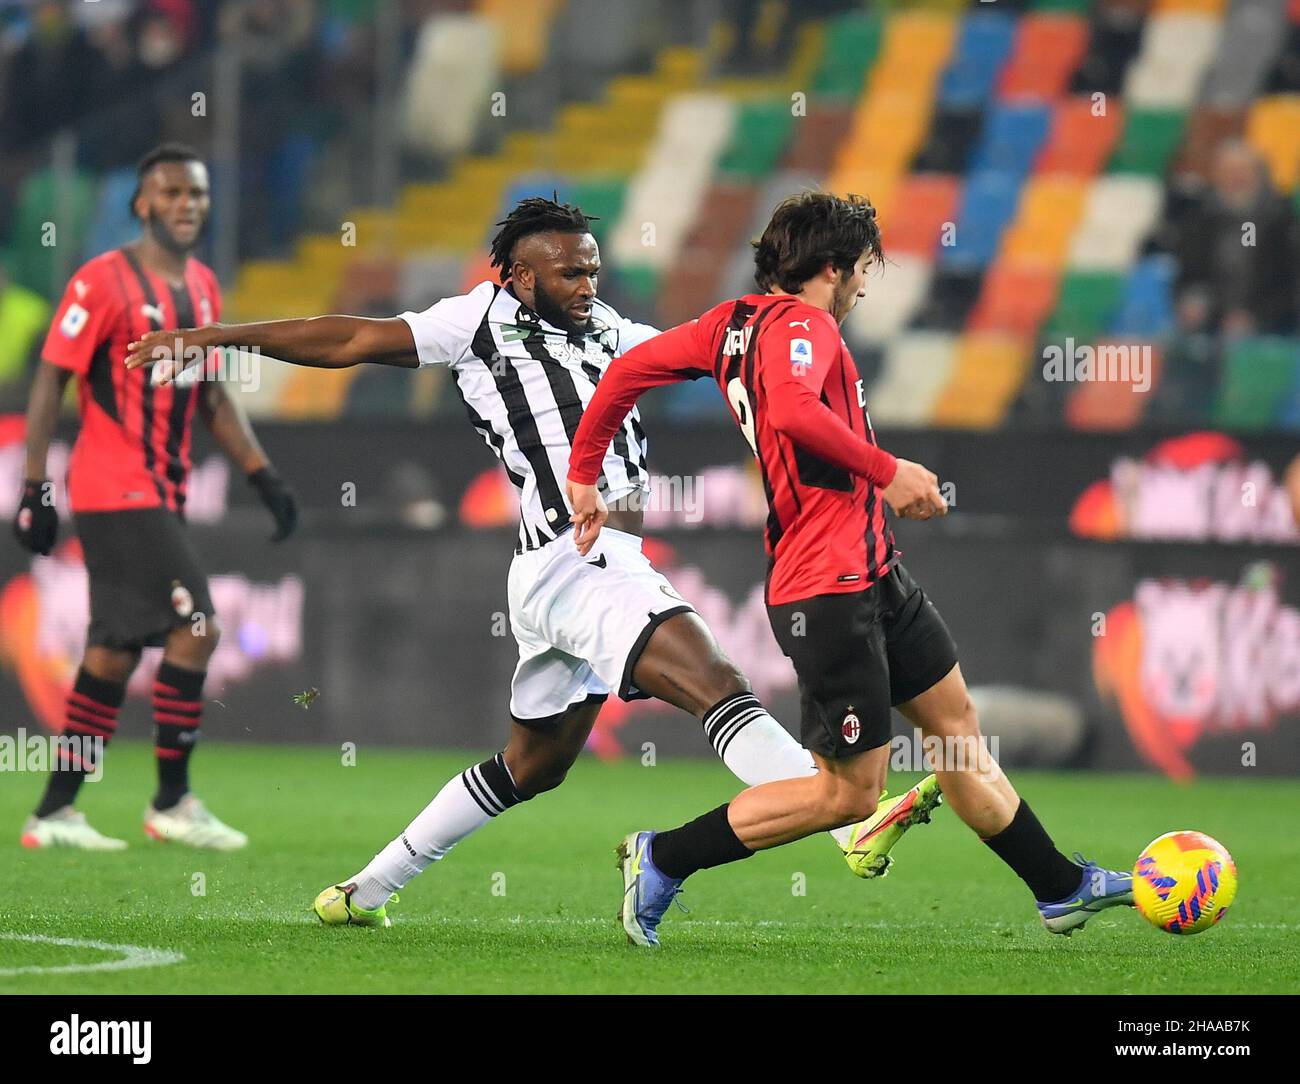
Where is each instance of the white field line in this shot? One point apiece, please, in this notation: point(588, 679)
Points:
point(133, 956)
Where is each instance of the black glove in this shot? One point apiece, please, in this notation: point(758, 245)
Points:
point(278, 498)
point(36, 526)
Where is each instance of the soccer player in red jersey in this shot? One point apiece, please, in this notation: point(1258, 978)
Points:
point(126, 488)
point(861, 633)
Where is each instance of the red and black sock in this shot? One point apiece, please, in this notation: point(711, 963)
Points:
point(177, 706)
point(705, 842)
point(1025, 846)
point(90, 712)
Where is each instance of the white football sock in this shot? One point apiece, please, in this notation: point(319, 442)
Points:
point(465, 803)
point(756, 748)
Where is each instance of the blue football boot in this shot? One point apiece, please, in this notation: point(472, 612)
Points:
point(647, 893)
point(1098, 889)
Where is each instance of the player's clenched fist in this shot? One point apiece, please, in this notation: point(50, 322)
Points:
point(36, 525)
point(914, 492)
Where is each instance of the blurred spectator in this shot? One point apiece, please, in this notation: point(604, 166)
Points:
point(278, 48)
point(50, 79)
point(1237, 249)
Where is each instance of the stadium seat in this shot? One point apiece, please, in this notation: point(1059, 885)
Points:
point(987, 375)
point(1113, 405)
point(522, 29)
point(1273, 129)
point(1258, 375)
point(759, 137)
point(952, 137)
point(886, 131)
point(1047, 50)
point(852, 44)
point(1253, 35)
point(453, 73)
point(691, 286)
point(917, 367)
point(424, 280)
point(39, 258)
point(893, 295)
point(1011, 138)
point(1115, 36)
point(923, 204)
point(1015, 298)
point(1080, 139)
point(1147, 308)
point(953, 293)
point(1177, 48)
point(1208, 127)
point(817, 138)
point(1084, 305)
point(983, 44)
point(1051, 206)
point(1120, 211)
point(988, 203)
point(1149, 141)
point(665, 195)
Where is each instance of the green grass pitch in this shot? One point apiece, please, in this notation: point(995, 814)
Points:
point(528, 904)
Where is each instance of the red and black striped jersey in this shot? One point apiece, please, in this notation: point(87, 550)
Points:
point(796, 395)
point(133, 450)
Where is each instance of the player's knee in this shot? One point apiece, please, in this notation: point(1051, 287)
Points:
point(967, 721)
point(534, 777)
point(847, 803)
point(721, 679)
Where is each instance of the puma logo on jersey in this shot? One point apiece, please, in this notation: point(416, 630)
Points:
point(81, 289)
point(802, 323)
point(154, 313)
point(737, 340)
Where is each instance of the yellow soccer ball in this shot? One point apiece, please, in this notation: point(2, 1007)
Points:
point(1184, 882)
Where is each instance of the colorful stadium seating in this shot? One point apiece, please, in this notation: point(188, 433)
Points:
point(1021, 158)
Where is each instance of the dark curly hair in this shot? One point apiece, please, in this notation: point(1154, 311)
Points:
point(810, 230)
point(164, 152)
point(535, 215)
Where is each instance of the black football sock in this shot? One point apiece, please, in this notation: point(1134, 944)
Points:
point(90, 712)
point(705, 842)
point(1025, 846)
point(177, 707)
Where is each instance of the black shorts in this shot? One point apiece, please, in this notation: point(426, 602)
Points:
point(857, 655)
point(145, 578)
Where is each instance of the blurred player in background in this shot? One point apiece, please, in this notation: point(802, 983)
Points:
point(126, 487)
point(527, 355)
point(861, 633)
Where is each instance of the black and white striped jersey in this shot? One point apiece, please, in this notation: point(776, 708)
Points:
point(525, 384)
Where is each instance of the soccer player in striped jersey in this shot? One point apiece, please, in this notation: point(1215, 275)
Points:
point(861, 633)
point(126, 487)
point(526, 355)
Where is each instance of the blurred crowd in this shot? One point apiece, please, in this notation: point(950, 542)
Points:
point(1237, 245)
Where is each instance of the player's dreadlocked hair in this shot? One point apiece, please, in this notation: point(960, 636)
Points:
point(164, 152)
point(810, 230)
point(535, 215)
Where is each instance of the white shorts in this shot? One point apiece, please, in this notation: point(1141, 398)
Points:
point(582, 622)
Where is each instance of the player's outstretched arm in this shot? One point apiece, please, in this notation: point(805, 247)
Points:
point(322, 342)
